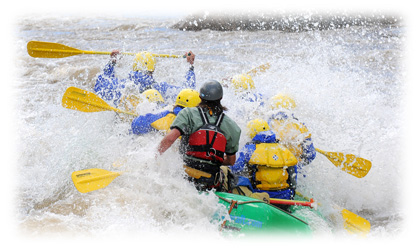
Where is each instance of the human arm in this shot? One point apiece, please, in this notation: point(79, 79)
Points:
point(168, 140)
point(190, 76)
point(243, 158)
point(229, 160)
point(309, 152)
point(109, 67)
point(142, 123)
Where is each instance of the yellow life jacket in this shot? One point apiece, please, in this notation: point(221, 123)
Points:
point(164, 123)
point(272, 160)
point(291, 133)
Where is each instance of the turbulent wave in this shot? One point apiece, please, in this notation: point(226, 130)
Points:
point(281, 22)
point(347, 83)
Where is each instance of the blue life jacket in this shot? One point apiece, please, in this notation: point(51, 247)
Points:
point(109, 87)
point(143, 123)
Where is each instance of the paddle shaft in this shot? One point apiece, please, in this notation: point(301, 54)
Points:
point(310, 203)
point(56, 50)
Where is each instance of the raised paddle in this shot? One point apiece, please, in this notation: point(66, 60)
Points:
point(85, 101)
point(253, 72)
point(348, 163)
point(92, 179)
point(56, 50)
point(260, 69)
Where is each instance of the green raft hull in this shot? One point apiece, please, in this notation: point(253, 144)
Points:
point(252, 216)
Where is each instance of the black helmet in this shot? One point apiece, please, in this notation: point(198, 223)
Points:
point(211, 91)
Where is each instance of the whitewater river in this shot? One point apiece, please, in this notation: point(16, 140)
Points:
point(348, 85)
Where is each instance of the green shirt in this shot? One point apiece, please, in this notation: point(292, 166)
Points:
point(189, 120)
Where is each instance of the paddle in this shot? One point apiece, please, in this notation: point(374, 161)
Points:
point(260, 69)
point(348, 163)
point(310, 203)
point(92, 179)
point(253, 72)
point(85, 101)
point(56, 50)
point(353, 223)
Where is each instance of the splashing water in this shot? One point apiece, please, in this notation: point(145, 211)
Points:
point(347, 84)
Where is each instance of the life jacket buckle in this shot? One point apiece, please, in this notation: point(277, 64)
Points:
point(211, 152)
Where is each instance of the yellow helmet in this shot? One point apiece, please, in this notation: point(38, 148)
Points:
point(281, 100)
point(243, 82)
point(144, 61)
point(152, 95)
point(188, 98)
point(256, 126)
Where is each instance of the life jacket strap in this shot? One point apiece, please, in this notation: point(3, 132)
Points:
point(206, 148)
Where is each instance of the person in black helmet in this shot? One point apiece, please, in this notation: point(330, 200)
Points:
point(210, 139)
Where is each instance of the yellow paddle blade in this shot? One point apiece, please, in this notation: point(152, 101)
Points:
point(85, 101)
point(355, 224)
point(92, 179)
point(55, 50)
point(260, 69)
point(348, 163)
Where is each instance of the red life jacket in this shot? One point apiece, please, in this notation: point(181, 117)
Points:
point(208, 142)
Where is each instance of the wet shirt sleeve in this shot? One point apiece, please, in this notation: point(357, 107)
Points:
point(234, 133)
point(182, 121)
point(243, 158)
point(142, 123)
point(189, 79)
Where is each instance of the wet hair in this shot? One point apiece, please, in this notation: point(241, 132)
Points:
point(213, 106)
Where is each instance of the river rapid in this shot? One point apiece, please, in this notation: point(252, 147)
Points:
point(347, 82)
